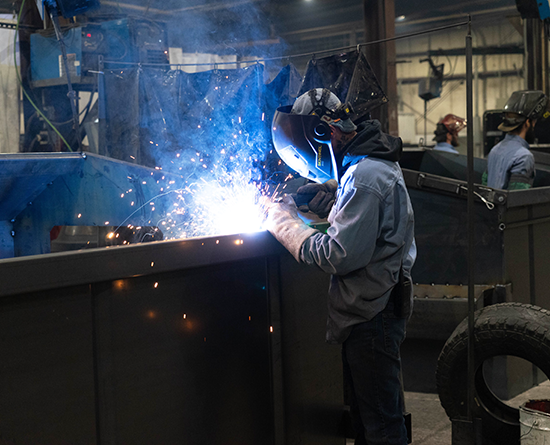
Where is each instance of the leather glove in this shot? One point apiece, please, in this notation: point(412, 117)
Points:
point(287, 227)
point(319, 197)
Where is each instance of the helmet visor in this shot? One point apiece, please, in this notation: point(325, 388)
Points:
point(303, 143)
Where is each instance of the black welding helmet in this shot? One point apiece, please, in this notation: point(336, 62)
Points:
point(523, 105)
point(302, 135)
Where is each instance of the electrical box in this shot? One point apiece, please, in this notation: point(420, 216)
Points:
point(544, 9)
point(70, 8)
point(429, 88)
point(46, 60)
point(125, 40)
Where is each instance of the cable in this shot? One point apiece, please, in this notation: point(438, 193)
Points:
point(72, 94)
point(21, 81)
point(334, 50)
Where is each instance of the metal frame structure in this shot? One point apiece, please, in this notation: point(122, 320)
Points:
point(217, 339)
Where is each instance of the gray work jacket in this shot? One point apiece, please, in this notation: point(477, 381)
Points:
point(371, 234)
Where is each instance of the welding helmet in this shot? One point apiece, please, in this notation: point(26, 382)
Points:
point(302, 135)
point(325, 104)
point(453, 123)
point(521, 106)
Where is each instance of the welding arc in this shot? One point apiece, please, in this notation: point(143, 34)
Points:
point(506, 329)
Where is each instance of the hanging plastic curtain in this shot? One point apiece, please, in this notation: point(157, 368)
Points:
point(173, 119)
point(121, 126)
point(350, 77)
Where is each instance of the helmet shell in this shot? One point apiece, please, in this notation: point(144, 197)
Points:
point(523, 105)
point(453, 123)
point(327, 106)
point(528, 103)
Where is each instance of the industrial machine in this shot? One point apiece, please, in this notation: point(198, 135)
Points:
point(123, 40)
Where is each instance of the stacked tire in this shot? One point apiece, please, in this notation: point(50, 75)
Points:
point(512, 329)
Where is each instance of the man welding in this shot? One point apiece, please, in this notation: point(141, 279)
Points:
point(368, 249)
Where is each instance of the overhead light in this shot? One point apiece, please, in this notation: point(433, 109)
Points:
point(401, 18)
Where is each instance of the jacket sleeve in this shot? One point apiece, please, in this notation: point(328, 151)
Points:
point(523, 171)
point(351, 238)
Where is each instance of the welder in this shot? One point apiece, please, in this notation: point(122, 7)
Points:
point(510, 164)
point(446, 133)
point(368, 249)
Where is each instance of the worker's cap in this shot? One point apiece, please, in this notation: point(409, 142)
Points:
point(325, 104)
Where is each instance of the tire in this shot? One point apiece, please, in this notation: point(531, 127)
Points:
point(514, 329)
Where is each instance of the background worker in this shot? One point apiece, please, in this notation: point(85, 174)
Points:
point(510, 164)
point(368, 249)
point(446, 133)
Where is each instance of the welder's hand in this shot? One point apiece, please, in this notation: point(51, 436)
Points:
point(320, 197)
point(284, 224)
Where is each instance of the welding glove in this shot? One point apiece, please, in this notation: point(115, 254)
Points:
point(319, 197)
point(287, 227)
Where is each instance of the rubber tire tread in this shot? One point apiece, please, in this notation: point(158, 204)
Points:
point(515, 329)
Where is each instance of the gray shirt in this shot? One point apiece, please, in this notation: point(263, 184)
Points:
point(510, 158)
point(371, 234)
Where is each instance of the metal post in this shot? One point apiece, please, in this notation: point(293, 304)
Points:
point(469, 431)
point(425, 123)
point(379, 20)
point(102, 148)
point(471, 240)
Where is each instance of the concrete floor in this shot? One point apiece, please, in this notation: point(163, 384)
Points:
point(430, 424)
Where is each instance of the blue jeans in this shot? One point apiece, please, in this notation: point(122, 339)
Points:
point(372, 377)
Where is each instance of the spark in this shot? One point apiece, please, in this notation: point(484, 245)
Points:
point(228, 205)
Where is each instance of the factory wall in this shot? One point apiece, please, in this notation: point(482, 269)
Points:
point(496, 76)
